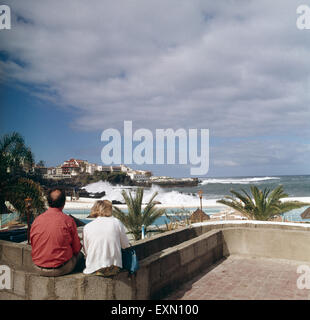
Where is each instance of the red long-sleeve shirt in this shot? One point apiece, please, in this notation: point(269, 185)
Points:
point(54, 238)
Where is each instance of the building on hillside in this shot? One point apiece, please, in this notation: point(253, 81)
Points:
point(106, 169)
point(58, 170)
point(56, 176)
point(40, 170)
point(116, 168)
point(139, 175)
point(99, 168)
point(51, 171)
point(74, 167)
point(55, 173)
point(91, 168)
point(125, 168)
point(82, 164)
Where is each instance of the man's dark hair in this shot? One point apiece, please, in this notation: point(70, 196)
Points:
point(56, 198)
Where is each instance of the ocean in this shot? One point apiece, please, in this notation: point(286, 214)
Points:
point(212, 188)
point(215, 188)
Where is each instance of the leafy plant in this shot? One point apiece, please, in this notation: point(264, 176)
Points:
point(15, 159)
point(177, 219)
point(136, 216)
point(262, 204)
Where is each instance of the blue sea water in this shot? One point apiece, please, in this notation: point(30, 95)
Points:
point(217, 188)
point(214, 188)
point(294, 186)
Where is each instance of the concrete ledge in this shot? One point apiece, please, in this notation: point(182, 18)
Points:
point(175, 265)
point(166, 261)
point(11, 253)
point(268, 243)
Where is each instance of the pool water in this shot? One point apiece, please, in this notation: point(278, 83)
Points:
point(294, 215)
point(173, 213)
point(7, 217)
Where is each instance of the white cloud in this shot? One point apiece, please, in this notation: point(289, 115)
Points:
point(239, 68)
point(261, 153)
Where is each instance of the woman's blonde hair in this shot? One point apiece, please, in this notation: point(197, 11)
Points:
point(101, 208)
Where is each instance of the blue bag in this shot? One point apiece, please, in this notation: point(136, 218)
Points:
point(130, 260)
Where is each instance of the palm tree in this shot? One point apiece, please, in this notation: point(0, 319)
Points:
point(262, 205)
point(15, 158)
point(41, 164)
point(23, 188)
point(136, 217)
point(14, 155)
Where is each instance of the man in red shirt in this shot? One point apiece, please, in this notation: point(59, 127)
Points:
point(54, 238)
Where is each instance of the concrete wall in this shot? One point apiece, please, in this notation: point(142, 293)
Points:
point(268, 243)
point(166, 261)
point(29, 286)
point(164, 271)
point(159, 273)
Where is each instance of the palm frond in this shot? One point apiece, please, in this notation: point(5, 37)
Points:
point(136, 217)
point(26, 188)
point(263, 205)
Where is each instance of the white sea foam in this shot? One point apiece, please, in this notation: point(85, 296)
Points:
point(170, 198)
point(167, 198)
point(238, 180)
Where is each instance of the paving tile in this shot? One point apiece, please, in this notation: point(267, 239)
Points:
point(245, 278)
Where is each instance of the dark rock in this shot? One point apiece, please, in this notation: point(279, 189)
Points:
point(95, 195)
point(117, 202)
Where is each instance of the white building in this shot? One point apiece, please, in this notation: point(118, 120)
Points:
point(58, 170)
point(125, 169)
point(91, 168)
point(139, 175)
point(51, 171)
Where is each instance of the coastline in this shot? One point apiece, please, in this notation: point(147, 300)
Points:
point(86, 203)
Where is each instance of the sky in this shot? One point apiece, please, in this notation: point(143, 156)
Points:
point(240, 68)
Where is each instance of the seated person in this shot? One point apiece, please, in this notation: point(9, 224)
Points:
point(103, 240)
point(54, 239)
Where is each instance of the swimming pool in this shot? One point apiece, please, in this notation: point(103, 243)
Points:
point(294, 215)
point(7, 217)
point(174, 213)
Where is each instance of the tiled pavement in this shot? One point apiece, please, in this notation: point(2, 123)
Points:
point(245, 278)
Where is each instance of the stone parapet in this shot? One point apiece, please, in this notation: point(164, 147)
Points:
point(166, 261)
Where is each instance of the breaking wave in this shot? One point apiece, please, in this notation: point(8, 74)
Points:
point(165, 197)
point(238, 180)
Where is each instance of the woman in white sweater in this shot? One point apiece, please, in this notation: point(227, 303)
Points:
point(103, 240)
